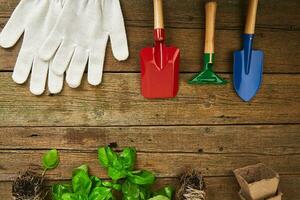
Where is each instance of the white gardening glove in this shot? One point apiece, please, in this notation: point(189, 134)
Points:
point(80, 38)
point(34, 18)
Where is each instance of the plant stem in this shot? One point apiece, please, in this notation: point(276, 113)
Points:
point(44, 172)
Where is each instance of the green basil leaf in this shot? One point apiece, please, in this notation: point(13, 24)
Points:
point(100, 193)
point(50, 159)
point(159, 197)
point(117, 187)
point(166, 191)
point(82, 196)
point(130, 191)
point(112, 197)
point(117, 164)
point(106, 156)
point(74, 196)
point(142, 178)
point(69, 196)
point(102, 157)
point(59, 189)
point(111, 154)
point(145, 193)
point(81, 181)
point(128, 157)
point(96, 182)
point(136, 172)
point(107, 184)
point(84, 168)
point(116, 174)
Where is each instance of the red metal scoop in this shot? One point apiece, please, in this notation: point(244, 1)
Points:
point(159, 64)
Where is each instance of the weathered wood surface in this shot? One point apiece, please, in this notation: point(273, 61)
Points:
point(263, 140)
point(280, 46)
point(205, 127)
point(282, 55)
point(272, 14)
point(218, 187)
point(83, 142)
point(119, 102)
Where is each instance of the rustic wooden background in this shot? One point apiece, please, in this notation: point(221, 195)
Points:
point(206, 127)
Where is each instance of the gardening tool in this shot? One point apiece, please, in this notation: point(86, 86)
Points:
point(159, 64)
point(248, 63)
point(208, 76)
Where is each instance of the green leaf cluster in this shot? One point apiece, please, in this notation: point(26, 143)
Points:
point(83, 187)
point(133, 184)
point(136, 184)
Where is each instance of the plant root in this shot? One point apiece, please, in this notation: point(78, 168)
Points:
point(29, 186)
point(192, 187)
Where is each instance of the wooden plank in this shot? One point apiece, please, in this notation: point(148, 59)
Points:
point(224, 188)
point(272, 14)
point(267, 140)
point(118, 102)
point(281, 55)
point(163, 164)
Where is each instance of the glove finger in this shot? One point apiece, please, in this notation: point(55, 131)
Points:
point(115, 23)
point(38, 76)
point(62, 58)
point(23, 66)
point(119, 45)
point(96, 62)
point(55, 82)
point(76, 68)
point(50, 46)
point(16, 24)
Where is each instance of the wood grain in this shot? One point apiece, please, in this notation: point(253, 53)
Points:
point(210, 26)
point(217, 187)
point(208, 128)
point(158, 14)
point(280, 48)
point(272, 14)
point(251, 16)
point(118, 102)
point(163, 164)
point(264, 140)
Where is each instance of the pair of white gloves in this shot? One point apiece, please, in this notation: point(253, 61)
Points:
point(64, 36)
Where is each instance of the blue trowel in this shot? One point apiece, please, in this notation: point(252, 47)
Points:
point(248, 63)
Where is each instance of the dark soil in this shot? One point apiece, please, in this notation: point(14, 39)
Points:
point(28, 186)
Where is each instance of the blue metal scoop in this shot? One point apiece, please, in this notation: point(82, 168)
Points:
point(248, 63)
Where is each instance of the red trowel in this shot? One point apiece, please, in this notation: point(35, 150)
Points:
point(159, 64)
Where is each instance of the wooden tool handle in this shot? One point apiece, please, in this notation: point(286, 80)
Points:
point(251, 17)
point(210, 21)
point(158, 14)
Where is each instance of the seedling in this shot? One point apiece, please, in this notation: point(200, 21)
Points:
point(50, 160)
point(30, 184)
